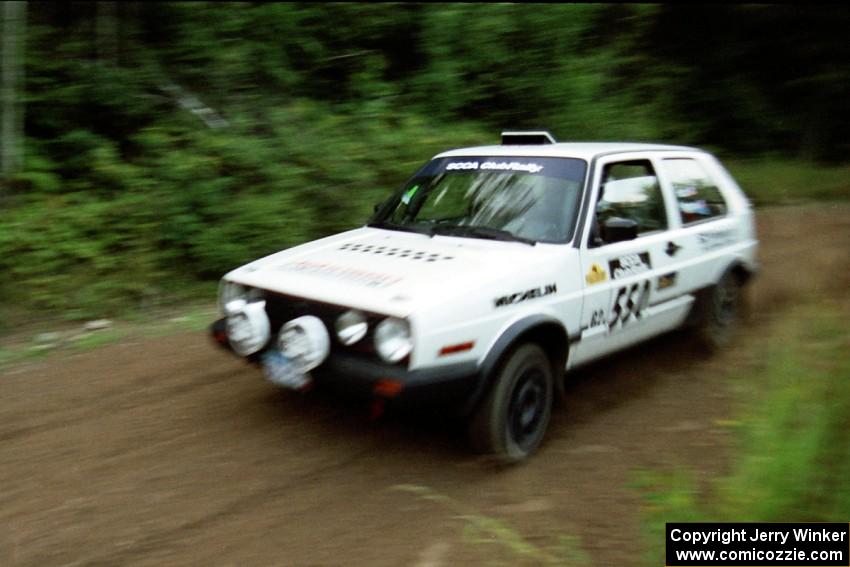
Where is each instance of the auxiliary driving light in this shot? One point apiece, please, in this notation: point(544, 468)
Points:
point(248, 327)
point(305, 342)
point(351, 327)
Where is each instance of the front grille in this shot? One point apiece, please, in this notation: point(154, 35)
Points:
point(282, 308)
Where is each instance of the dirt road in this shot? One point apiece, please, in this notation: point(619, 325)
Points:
point(169, 452)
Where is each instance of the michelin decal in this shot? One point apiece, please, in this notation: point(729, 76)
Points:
point(521, 296)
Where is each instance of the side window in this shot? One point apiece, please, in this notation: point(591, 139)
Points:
point(630, 190)
point(698, 196)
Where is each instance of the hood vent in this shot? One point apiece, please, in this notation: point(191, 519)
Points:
point(393, 252)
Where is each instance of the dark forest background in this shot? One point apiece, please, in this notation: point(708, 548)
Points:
point(151, 147)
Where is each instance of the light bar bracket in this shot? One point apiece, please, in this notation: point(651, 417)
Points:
point(534, 138)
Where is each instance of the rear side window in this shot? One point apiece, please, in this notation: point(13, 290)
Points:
point(697, 194)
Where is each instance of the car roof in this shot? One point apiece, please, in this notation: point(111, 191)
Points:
point(581, 150)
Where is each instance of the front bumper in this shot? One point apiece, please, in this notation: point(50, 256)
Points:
point(355, 376)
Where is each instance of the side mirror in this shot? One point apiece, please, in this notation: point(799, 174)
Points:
point(617, 229)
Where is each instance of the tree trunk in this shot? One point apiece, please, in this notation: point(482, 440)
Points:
point(11, 83)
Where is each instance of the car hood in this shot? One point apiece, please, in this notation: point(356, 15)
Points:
point(391, 272)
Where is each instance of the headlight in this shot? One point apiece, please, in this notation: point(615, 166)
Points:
point(392, 339)
point(351, 326)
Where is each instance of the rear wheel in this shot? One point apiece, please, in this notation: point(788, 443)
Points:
point(512, 420)
point(721, 312)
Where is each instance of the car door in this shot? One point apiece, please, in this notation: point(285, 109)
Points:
point(704, 226)
point(632, 289)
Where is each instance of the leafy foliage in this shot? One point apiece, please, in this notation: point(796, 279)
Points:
point(126, 195)
point(193, 204)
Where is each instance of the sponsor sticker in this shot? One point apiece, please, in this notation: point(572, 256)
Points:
point(596, 275)
point(354, 275)
point(667, 280)
point(629, 265)
point(716, 239)
point(527, 167)
point(462, 166)
point(512, 166)
point(408, 195)
point(521, 296)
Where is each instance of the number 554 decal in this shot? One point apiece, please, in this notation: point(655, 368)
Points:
point(628, 304)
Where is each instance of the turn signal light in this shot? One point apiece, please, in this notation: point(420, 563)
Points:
point(453, 349)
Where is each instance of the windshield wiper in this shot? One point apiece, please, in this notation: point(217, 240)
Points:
point(479, 232)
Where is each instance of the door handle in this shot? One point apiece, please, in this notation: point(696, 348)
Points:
point(672, 248)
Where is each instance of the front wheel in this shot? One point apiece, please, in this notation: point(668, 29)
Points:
point(512, 420)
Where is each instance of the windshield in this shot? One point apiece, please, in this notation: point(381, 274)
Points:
point(529, 199)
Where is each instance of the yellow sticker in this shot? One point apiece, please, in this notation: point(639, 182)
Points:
point(596, 274)
point(667, 280)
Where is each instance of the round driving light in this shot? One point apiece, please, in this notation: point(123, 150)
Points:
point(305, 342)
point(248, 327)
point(392, 339)
point(351, 327)
point(230, 291)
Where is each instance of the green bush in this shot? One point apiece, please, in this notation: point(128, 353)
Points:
point(117, 232)
point(125, 194)
point(793, 457)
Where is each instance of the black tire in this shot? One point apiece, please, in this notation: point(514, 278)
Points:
point(721, 311)
point(511, 421)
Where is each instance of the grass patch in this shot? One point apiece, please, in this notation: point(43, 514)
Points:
point(774, 182)
point(98, 339)
point(158, 323)
point(508, 544)
point(196, 319)
point(9, 357)
point(793, 454)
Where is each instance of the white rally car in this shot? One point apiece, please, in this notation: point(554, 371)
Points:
point(494, 270)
